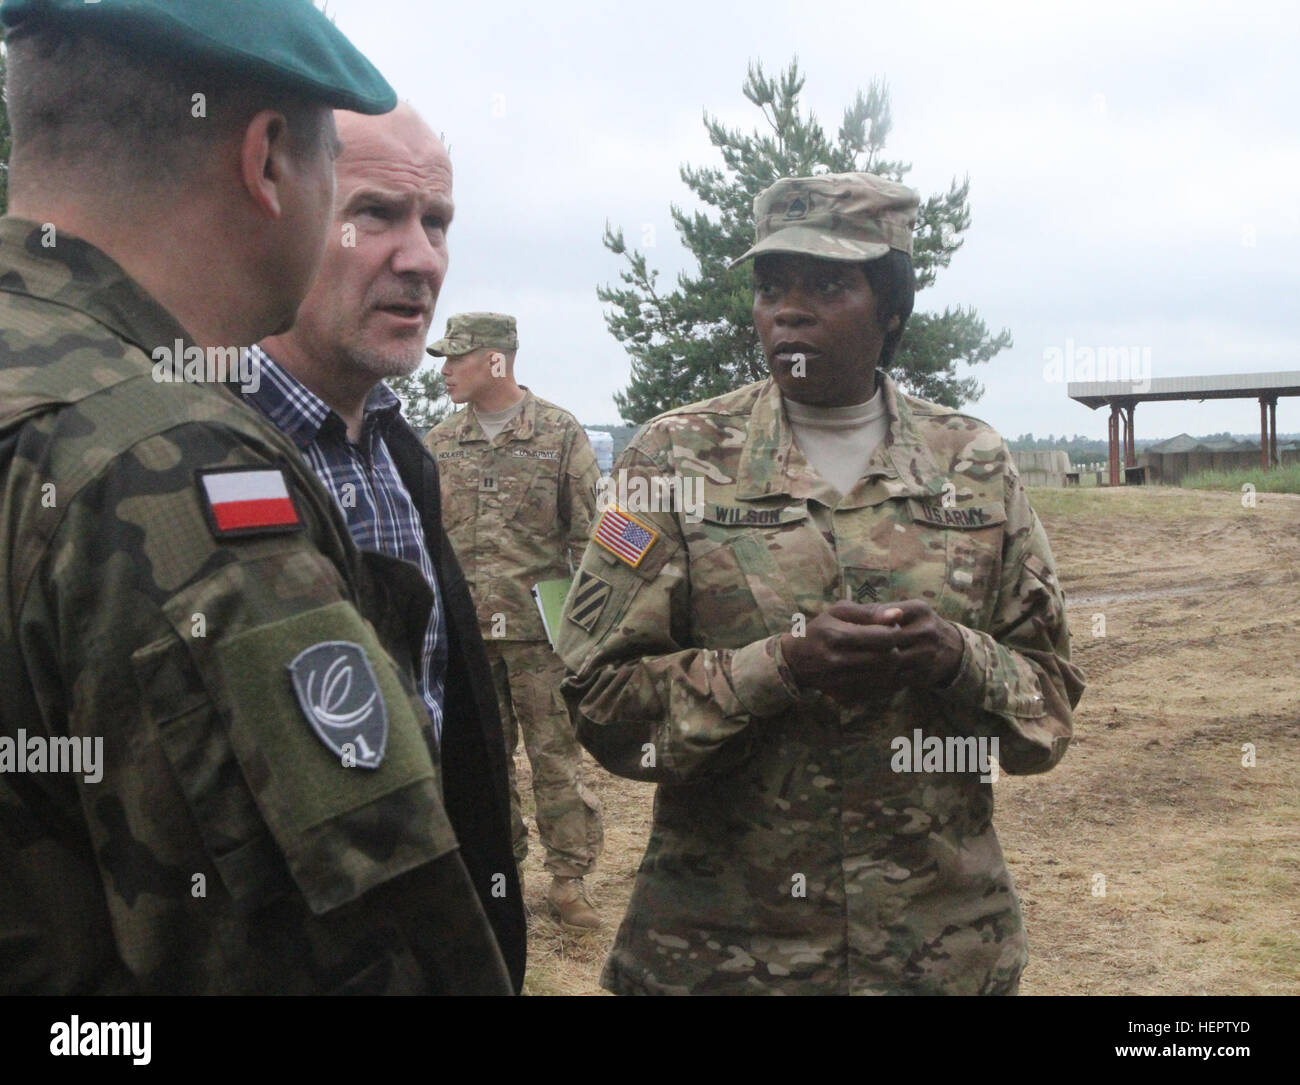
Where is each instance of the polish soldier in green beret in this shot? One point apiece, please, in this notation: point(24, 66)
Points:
point(217, 775)
point(823, 667)
point(519, 483)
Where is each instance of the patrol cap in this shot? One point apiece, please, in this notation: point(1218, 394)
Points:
point(284, 43)
point(834, 216)
point(473, 331)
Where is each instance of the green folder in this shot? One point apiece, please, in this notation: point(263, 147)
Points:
point(549, 595)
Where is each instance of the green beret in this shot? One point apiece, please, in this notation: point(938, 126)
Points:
point(474, 331)
point(285, 43)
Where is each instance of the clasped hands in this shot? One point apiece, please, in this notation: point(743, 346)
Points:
point(853, 649)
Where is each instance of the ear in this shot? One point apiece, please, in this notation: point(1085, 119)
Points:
point(262, 157)
point(894, 323)
point(496, 357)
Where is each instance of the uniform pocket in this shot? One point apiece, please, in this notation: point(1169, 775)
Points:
point(974, 566)
point(970, 540)
point(458, 483)
point(738, 593)
point(343, 829)
point(527, 490)
point(195, 743)
point(268, 794)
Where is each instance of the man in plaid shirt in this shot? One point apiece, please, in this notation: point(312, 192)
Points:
point(366, 318)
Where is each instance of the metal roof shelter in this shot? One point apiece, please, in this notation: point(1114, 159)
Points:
point(1123, 396)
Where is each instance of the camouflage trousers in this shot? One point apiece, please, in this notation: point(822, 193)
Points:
point(527, 676)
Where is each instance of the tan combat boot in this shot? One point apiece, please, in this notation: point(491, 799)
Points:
point(568, 898)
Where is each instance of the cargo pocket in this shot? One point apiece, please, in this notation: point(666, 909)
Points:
point(195, 743)
point(343, 829)
point(275, 806)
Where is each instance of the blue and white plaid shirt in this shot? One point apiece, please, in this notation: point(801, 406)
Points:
point(379, 509)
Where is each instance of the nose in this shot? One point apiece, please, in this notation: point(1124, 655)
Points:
point(792, 308)
point(417, 253)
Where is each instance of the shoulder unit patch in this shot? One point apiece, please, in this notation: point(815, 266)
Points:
point(339, 694)
point(590, 594)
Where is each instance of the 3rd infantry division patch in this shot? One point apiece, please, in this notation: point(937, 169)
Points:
point(590, 594)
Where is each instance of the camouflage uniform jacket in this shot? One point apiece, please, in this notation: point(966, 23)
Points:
point(785, 854)
point(517, 509)
point(225, 848)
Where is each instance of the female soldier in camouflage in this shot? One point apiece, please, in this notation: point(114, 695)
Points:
point(818, 668)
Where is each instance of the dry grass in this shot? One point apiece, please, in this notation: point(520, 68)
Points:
point(559, 961)
point(1200, 855)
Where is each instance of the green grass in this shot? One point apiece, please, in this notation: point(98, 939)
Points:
point(1281, 480)
point(1144, 502)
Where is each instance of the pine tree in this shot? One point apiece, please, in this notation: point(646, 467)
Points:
point(699, 341)
point(424, 398)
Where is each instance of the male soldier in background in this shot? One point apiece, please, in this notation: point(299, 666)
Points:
point(367, 317)
point(518, 490)
point(181, 598)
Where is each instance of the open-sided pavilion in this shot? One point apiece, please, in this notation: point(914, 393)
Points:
point(1123, 396)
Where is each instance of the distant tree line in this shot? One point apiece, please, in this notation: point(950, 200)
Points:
point(1087, 448)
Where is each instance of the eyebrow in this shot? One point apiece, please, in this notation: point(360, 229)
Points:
point(811, 272)
point(439, 205)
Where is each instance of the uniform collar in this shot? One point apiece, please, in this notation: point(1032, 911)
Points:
point(520, 428)
point(55, 266)
point(303, 415)
point(772, 464)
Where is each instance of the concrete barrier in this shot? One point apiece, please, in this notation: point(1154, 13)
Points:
point(1046, 468)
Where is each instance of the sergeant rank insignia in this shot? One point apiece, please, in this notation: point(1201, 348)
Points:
point(624, 536)
point(590, 594)
point(338, 693)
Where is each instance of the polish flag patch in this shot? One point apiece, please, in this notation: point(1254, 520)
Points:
point(248, 501)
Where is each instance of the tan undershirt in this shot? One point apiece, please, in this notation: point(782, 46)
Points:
point(493, 422)
point(839, 441)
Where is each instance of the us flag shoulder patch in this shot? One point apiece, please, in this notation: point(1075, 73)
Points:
point(590, 594)
point(624, 536)
point(240, 501)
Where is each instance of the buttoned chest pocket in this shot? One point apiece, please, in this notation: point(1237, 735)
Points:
point(962, 559)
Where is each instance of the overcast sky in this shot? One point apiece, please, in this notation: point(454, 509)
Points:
point(1135, 170)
